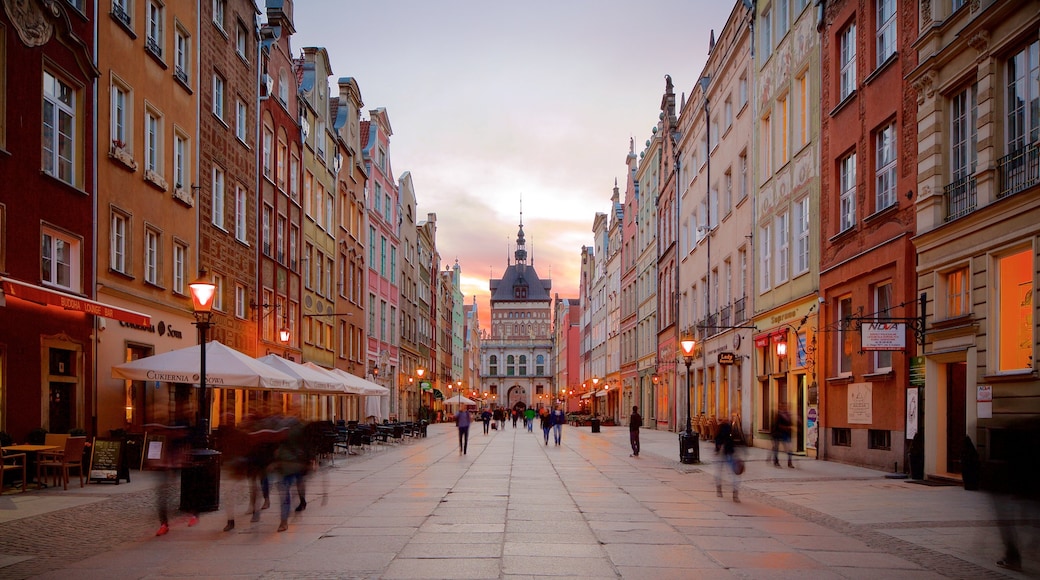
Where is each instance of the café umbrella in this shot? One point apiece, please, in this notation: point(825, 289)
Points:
point(459, 400)
point(225, 367)
point(311, 380)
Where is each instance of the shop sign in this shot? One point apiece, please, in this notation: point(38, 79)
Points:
point(883, 335)
point(727, 358)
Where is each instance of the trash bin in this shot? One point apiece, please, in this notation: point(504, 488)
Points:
point(200, 481)
point(689, 447)
point(595, 425)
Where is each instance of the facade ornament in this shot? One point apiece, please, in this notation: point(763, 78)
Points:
point(980, 42)
point(925, 86)
point(926, 14)
point(34, 25)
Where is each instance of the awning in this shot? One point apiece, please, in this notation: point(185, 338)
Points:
point(587, 395)
point(437, 394)
point(48, 297)
point(602, 393)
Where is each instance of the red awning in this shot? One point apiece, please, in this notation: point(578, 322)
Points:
point(46, 296)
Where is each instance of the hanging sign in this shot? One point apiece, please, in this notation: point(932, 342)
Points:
point(883, 336)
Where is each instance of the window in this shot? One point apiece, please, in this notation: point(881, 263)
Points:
point(330, 266)
point(955, 284)
point(847, 173)
point(783, 247)
point(1015, 332)
point(885, 193)
point(784, 113)
point(268, 151)
point(523, 365)
point(242, 40)
point(493, 365)
point(294, 177)
point(283, 87)
point(801, 95)
point(118, 243)
point(782, 18)
point(154, 41)
point(382, 256)
point(882, 309)
point(841, 437)
point(767, 146)
point(218, 197)
point(371, 246)
point(180, 253)
point(308, 189)
point(280, 240)
point(1023, 98)
point(59, 128)
point(120, 129)
point(510, 365)
point(319, 203)
point(393, 265)
point(963, 133)
point(121, 11)
point(886, 30)
point(151, 256)
point(879, 439)
point(727, 191)
point(180, 159)
point(181, 55)
point(218, 292)
point(387, 208)
point(727, 114)
point(294, 234)
point(152, 141)
point(847, 43)
point(539, 362)
point(308, 260)
point(742, 91)
point(382, 320)
point(219, 9)
point(801, 232)
point(766, 25)
point(742, 263)
point(241, 228)
point(283, 151)
point(319, 138)
point(218, 96)
point(766, 264)
point(60, 260)
point(846, 335)
point(241, 120)
point(240, 301)
point(265, 229)
point(743, 175)
point(377, 198)
point(330, 214)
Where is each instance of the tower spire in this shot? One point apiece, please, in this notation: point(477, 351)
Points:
point(521, 251)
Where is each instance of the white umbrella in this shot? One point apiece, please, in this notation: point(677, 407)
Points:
point(365, 387)
point(459, 400)
point(225, 367)
point(336, 374)
point(311, 380)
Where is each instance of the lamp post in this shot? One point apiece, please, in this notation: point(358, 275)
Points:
point(203, 290)
point(689, 449)
point(419, 372)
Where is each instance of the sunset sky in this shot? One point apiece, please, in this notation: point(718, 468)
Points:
point(493, 101)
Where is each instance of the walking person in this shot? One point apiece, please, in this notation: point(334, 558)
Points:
point(529, 419)
point(635, 421)
point(729, 462)
point(516, 416)
point(462, 421)
point(486, 418)
point(782, 425)
point(559, 418)
point(547, 422)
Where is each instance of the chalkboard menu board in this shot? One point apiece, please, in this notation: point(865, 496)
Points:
point(107, 461)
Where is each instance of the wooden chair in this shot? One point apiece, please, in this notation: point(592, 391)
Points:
point(60, 465)
point(12, 462)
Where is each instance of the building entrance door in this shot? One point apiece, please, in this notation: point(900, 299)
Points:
point(956, 407)
point(60, 412)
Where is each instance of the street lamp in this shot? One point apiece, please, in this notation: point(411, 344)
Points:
point(419, 372)
point(689, 447)
point(203, 291)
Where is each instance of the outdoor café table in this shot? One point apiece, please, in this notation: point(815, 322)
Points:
point(30, 455)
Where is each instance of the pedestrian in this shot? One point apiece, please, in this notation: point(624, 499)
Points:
point(1012, 481)
point(782, 425)
point(500, 421)
point(729, 462)
point(462, 421)
point(529, 419)
point(516, 415)
point(547, 422)
point(486, 418)
point(173, 456)
point(291, 463)
point(635, 421)
point(559, 419)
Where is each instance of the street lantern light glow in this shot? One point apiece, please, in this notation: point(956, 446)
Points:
point(283, 335)
point(203, 290)
point(419, 372)
point(688, 345)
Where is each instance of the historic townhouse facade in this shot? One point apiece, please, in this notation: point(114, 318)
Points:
point(280, 183)
point(629, 292)
point(595, 311)
point(613, 401)
point(786, 234)
point(426, 236)
point(47, 252)
point(146, 204)
point(978, 220)
point(715, 232)
point(643, 295)
point(516, 358)
point(409, 284)
point(383, 239)
point(566, 354)
point(868, 173)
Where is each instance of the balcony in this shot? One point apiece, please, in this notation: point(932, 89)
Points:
point(740, 311)
point(960, 197)
point(727, 316)
point(181, 75)
point(1018, 171)
point(120, 14)
point(152, 45)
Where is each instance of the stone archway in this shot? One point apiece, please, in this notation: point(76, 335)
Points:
point(516, 398)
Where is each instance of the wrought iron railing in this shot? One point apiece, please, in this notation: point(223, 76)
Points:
point(740, 310)
point(1018, 170)
point(960, 197)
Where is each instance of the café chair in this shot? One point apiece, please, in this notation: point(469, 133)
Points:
point(12, 462)
point(59, 465)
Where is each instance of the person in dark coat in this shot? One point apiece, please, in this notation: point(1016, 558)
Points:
point(782, 425)
point(462, 421)
point(486, 418)
point(725, 446)
point(547, 422)
point(635, 421)
point(559, 419)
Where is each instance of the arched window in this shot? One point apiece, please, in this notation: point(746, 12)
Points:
point(539, 368)
point(523, 365)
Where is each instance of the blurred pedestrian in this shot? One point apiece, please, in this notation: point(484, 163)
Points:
point(547, 422)
point(559, 420)
point(782, 425)
point(172, 456)
point(500, 418)
point(290, 466)
point(1014, 470)
point(729, 462)
point(635, 421)
point(486, 418)
point(462, 421)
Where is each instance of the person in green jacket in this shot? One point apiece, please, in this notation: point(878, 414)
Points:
point(529, 415)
